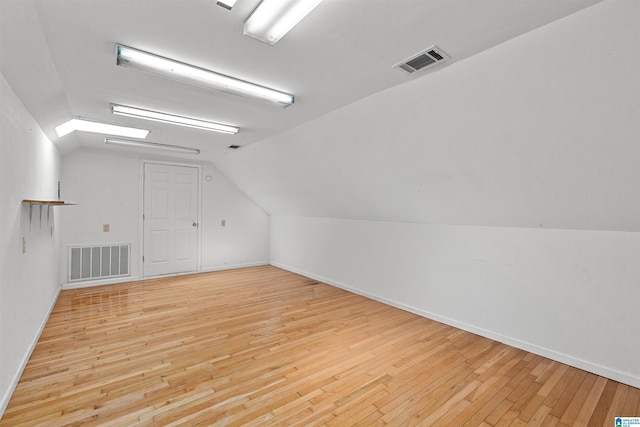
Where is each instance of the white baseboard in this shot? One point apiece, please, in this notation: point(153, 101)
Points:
point(23, 363)
point(585, 365)
point(90, 283)
point(234, 266)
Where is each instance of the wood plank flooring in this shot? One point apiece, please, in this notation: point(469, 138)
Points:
point(263, 346)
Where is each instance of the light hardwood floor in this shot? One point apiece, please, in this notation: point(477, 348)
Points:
point(263, 346)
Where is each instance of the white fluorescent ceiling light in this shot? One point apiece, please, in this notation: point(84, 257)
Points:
point(272, 19)
point(96, 127)
point(165, 67)
point(156, 116)
point(152, 145)
point(227, 4)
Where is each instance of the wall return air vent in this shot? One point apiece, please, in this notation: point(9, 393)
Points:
point(99, 261)
point(427, 58)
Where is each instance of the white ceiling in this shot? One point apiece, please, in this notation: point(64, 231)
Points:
point(59, 57)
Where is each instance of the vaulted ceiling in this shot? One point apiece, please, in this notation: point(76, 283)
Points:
point(59, 57)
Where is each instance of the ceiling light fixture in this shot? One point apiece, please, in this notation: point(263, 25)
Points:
point(156, 116)
point(96, 127)
point(272, 19)
point(165, 67)
point(151, 145)
point(227, 4)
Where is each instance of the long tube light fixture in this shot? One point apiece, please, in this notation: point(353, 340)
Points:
point(227, 4)
point(152, 145)
point(165, 67)
point(272, 19)
point(157, 116)
point(97, 127)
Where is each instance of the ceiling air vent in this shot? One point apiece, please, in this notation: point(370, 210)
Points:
point(427, 58)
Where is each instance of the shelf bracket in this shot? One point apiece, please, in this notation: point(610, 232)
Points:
point(41, 203)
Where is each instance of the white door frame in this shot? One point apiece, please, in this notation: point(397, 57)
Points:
point(141, 213)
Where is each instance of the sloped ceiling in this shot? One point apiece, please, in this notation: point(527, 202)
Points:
point(541, 131)
point(59, 57)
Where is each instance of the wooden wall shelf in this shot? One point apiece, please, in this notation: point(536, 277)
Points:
point(47, 202)
point(41, 203)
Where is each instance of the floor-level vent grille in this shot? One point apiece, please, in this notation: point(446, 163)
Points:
point(99, 261)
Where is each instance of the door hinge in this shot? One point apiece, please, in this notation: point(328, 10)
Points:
point(142, 258)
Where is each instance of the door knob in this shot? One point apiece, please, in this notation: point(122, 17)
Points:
point(195, 224)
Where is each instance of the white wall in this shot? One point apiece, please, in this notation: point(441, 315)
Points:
point(105, 188)
point(29, 169)
point(106, 185)
point(566, 294)
point(244, 240)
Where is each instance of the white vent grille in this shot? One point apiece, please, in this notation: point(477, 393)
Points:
point(428, 58)
point(99, 261)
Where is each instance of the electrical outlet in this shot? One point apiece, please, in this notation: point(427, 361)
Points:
point(105, 228)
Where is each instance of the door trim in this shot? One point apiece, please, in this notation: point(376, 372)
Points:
point(197, 166)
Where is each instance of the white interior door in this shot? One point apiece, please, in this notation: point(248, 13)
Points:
point(170, 236)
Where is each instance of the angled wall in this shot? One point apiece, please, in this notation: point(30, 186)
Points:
point(498, 194)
